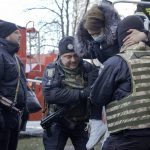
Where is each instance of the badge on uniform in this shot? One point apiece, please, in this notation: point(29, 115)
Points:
point(70, 46)
point(50, 72)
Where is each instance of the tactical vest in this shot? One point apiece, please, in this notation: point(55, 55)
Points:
point(133, 112)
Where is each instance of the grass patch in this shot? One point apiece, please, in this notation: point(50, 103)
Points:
point(30, 144)
point(35, 143)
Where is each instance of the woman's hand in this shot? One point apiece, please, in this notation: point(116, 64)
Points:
point(134, 37)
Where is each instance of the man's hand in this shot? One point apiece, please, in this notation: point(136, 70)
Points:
point(134, 37)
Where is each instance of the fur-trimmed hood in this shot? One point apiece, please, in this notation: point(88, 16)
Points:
point(83, 39)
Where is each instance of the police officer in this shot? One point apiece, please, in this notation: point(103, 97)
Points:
point(12, 85)
point(123, 87)
point(66, 83)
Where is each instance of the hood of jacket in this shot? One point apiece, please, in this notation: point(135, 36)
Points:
point(83, 39)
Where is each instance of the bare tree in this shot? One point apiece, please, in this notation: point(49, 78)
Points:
point(64, 16)
point(79, 10)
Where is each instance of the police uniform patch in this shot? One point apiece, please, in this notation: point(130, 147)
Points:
point(50, 72)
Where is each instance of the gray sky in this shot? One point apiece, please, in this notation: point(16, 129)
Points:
point(13, 11)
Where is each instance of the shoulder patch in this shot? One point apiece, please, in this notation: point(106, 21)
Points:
point(50, 72)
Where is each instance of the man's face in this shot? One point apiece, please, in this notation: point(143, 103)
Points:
point(14, 37)
point(70, 60)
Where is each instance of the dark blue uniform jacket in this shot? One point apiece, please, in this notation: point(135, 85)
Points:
point(54, 92)
point(9, 79)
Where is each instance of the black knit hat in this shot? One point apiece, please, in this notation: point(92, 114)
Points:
point(66, 45)
point(6, 28)
point(130, 22)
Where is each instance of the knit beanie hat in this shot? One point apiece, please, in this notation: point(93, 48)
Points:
point(130, 22)
point(145, 8)
point(94, 19)
point(6, 28)
point(66, 45)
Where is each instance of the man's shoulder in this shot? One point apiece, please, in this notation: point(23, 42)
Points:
point(114, 61)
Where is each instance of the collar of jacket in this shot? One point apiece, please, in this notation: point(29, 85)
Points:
point(61, 67)
point(10, 47)
point(74, 71)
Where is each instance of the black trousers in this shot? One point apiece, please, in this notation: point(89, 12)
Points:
point(9, 139)
point(122, 142)
point(60, 135)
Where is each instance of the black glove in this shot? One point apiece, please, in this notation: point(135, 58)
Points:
point(2, 121)
point(92, 76)
point(85, 93)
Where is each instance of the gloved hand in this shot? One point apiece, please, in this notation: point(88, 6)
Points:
point(85, 93)
point(2, 121)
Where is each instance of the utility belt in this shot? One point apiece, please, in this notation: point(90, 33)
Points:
point(78, 118)
point(75, 120)
point(70, 123)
